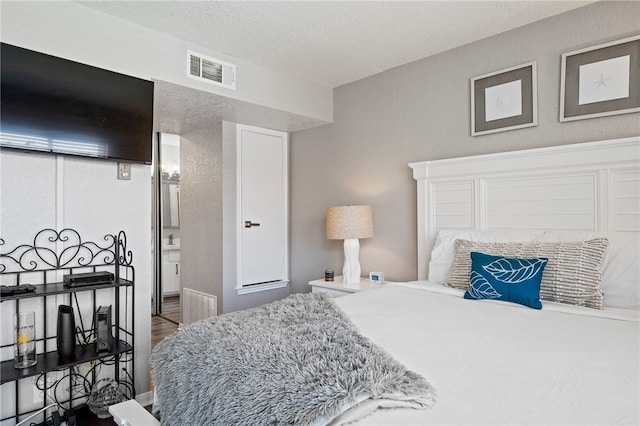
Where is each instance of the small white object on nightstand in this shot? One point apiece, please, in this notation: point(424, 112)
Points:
point(376, 277)
point(339, 288)
point(130, 413)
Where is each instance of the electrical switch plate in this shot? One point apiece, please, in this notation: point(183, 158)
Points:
point(124, 171)
point(38, 395)
point(52, 377)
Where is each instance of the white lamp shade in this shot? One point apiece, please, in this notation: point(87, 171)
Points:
point(347, 222)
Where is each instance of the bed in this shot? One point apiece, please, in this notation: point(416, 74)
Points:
point(572, 211)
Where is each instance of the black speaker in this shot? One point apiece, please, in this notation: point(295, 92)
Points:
point(103, 329)
point(66, 332)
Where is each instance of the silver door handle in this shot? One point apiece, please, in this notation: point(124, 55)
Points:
point(249, 224)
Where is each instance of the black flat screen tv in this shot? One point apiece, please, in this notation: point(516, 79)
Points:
point(59, 106)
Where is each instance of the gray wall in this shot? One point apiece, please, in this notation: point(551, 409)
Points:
point(201, 208)
point(421, 111)
point(208, 182)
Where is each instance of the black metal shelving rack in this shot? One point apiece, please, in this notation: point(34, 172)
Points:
point(51, 254)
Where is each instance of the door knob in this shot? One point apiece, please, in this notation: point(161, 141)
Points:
point(249, 224)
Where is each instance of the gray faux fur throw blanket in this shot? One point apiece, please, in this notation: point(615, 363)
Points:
point(297, 361)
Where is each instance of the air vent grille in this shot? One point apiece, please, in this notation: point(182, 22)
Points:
point(214, 71)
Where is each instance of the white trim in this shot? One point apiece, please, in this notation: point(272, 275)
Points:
point(535, 158)
point(255, 288)
point(59, 193)
point(60, 223)
point(239, 220)
point(596, 164)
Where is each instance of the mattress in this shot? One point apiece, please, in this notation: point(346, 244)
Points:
point(501, 363)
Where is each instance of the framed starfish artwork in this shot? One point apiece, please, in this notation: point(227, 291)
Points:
point(504, 100)
point(601, 80)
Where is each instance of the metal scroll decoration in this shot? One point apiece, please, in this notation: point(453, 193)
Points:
point(53, 249)
point(125, 257)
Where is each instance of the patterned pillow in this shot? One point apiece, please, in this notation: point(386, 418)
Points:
point(507, 279)
point(571, 276)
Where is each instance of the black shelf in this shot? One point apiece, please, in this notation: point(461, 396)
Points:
point(49, 255)
point(60, 288)
point(50, 361)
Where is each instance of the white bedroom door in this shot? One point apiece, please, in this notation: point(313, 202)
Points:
point(263, 207)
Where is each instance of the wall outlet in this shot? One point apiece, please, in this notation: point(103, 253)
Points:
point(38, 395)
point(52, 378)
point(124, 171)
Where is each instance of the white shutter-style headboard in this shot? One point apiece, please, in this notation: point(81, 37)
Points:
point(592, 186)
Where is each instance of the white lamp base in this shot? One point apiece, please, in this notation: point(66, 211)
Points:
point(351, 270)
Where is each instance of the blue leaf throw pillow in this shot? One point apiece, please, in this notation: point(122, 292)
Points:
point(508, 279)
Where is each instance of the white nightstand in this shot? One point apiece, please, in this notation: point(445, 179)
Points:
point(130, 413)
point(338, 288)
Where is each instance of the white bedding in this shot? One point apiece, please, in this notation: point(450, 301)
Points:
point(501, 363)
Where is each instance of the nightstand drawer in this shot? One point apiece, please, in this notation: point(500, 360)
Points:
point(338, 288)
point(332, 291)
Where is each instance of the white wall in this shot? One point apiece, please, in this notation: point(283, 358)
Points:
point(421, 111)
point(40, 191)
point(73, 31)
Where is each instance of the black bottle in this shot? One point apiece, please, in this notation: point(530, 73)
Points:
point(66, 337)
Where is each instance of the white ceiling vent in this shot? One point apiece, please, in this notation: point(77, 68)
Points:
point(214, 71)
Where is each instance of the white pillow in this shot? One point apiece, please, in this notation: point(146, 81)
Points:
point(620, 271)
point(443, 251)
point(621, 267)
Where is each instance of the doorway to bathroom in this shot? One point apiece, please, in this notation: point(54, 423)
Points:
point(167, 291)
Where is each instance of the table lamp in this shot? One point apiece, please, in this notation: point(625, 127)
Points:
point(349, 223)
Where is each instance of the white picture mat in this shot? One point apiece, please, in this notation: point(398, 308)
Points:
point(604, 80)
point(476, 131)
point(503, 100)
point(565, 113)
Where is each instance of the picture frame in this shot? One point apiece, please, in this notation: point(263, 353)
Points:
point(601, 80)
point(504, 100)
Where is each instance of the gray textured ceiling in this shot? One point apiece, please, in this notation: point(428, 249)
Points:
point(327, 42)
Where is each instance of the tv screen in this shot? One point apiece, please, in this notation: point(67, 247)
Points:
point(64, 107)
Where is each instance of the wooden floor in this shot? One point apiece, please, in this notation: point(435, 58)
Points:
point(171, 308)
point(163, 327)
